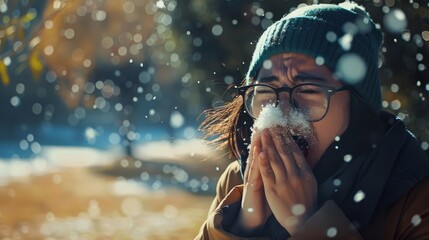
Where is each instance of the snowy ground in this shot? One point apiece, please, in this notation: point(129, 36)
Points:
point(163, 192)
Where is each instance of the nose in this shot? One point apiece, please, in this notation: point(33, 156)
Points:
point(284, 102)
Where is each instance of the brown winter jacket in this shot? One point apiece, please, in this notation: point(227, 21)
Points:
point(408, 218)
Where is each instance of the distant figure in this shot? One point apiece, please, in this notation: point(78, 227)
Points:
point(317, 157)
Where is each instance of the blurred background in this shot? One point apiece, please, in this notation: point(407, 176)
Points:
point(100, 103)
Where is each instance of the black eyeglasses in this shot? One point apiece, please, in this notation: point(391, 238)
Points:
point(310, 99)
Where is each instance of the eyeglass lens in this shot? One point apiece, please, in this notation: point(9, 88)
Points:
point(311, 100)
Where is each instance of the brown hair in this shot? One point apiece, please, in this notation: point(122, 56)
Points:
point(228, 127)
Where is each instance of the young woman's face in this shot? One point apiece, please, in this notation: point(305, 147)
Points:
point(291, 69)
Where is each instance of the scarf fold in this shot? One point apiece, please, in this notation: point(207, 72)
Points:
point(358, 183)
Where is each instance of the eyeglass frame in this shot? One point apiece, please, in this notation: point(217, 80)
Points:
point(329, 91)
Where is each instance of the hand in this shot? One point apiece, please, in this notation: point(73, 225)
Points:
point(288, 181)
point(254, 210)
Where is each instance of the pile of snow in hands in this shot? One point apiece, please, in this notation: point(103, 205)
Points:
point(294, 122)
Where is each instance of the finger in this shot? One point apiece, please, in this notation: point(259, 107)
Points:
point(255, 179)
point(301, 161)
point(255, 143)
point(287, 149)
point(284, 134)
point(248, 163)
point(272, 156)
point(298, 161)
point(266, 171)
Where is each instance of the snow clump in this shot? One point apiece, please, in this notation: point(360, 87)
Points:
point(294, 122)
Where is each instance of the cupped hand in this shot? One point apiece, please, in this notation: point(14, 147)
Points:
point(254, 210)
point(289, 184)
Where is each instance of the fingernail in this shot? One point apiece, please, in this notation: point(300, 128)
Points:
point(266, 132)
point(256, 149)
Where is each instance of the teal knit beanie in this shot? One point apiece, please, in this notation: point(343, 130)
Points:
point(343, 37)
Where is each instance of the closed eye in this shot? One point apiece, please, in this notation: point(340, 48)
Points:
point(309, 91)
point(263, 91)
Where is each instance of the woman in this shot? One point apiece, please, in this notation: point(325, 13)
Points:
point(358, 173)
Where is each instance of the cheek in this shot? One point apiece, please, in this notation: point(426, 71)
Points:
point(338, 115)
point(334, 123)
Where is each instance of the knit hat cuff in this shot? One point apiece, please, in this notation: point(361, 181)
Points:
point(311, 36)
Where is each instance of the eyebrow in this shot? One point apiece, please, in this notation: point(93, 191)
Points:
point(301, 77)
point(285, 59)
point(305, 77)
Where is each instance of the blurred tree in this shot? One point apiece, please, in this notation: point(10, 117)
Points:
point(13, 32)
point(111, 56)
point(192, 50)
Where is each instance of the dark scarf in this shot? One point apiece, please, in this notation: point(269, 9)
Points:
point(386, 162)
point(357, 185)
